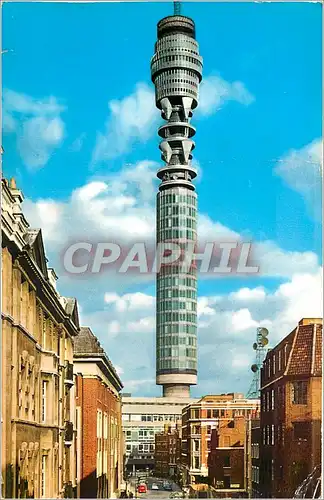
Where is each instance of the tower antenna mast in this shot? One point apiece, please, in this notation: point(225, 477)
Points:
point(260, 353)
point(177, 8)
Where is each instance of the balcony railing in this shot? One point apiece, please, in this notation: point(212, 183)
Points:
point(68, 379)
point(68, 433)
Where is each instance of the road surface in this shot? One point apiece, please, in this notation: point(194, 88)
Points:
point(160, 493)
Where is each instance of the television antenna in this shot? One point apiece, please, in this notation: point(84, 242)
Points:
point(261, 349)
point(177, 8)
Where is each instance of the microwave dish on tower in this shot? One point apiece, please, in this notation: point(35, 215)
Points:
point(259, 346)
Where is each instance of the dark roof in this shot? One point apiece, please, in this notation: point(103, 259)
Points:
point(87, 345)
point(303, 355)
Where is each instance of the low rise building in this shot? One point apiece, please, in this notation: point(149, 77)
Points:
point(291, 410)
point(198, 421)
point(143, 418)
point(99, 429)
point(38, 330)
point(168, 451)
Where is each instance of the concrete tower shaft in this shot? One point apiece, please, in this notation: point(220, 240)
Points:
point(176, 70)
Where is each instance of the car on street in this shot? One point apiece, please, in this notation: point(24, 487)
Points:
point(167, 486)
point(154, 486)
point(142, 488)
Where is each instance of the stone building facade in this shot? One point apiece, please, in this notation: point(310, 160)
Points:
point(143, 418)
point(99, 420)
point(291, 410)
point(38, 330)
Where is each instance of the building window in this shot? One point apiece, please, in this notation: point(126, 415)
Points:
point(272, 399)
point(272, 434)
point(196, 463)
point(299, 392)
point(43, 478)
point(279, 360)
point(105, 426)
point(99, 423)
point(209, 413)
point(227, 461)
point(215, 413)
point(208, 429)
point(44, 400)
point(263, 402)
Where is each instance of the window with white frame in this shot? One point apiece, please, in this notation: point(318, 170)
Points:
point(43, 476)
point(272, 434)
point(99, 423)
point(272, 399)
point(105, 426)
point(44, 400)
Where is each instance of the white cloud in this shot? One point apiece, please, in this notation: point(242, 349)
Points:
point(225, 337)
point(118, 209)
point(130, 119)
point(135, 117)
point(215, 92)
point(77, 144)
point(37, 124)
point(302, 171)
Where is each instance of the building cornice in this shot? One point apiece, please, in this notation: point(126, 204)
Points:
point(103, 366)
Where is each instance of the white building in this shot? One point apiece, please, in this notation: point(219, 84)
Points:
point(142, 418)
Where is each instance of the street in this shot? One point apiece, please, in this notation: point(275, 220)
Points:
point(160, 493)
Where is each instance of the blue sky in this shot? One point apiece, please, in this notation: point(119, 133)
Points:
point(76, 75)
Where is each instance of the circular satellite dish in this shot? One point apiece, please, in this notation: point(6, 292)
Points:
point(254, 368)
point(263, 331)
point(264, 341)
point(255, 346)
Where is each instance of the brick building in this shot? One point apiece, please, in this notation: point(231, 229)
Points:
point(252, 458)
point(198, 421)
point(99, 430)
point(291, 410)
point(168, 451)
point(38, 328)
point(226, 468)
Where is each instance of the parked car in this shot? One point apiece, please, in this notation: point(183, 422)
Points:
point(142, 488)
point(155, 486)
point(167, 487)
